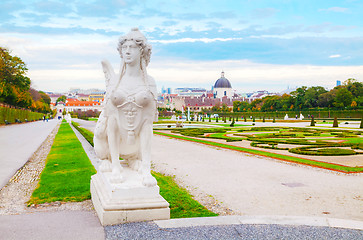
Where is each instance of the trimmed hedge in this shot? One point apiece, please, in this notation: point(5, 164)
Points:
point(318, 114)
point(269, 146)
point(324, 151)
point(88, 135)
point(14, 115)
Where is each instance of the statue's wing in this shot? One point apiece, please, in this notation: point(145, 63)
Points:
point(109, 73)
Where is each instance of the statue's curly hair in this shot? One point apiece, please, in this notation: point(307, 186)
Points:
point(140, 40)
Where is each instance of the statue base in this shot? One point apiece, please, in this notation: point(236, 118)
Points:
point(129, 201)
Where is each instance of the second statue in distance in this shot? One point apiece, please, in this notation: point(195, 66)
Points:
point(125, 126)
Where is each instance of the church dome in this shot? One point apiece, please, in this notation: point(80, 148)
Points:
point(222, 82)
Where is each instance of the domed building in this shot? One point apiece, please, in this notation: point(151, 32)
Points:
point(223, 88)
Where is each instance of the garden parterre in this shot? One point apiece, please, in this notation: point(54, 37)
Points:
point(280, 142)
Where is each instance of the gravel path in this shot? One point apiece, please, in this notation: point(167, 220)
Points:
point(15, 194)
point(253, 185)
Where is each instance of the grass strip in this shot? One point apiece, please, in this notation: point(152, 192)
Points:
point(182, 205)
point(329, 166)
point(67, 173)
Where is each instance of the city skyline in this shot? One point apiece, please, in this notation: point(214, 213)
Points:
point(260, 45)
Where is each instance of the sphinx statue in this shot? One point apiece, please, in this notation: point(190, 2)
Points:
point(124, 128)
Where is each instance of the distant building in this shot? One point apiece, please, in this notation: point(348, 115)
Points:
point(97, 96)
point(53, 97)
point(339, 83)
point(73, 105)
point(223, 88)
point(287, 91)
point(195, 92)
point(199, 99)
point(259, 95)
point(82, 97)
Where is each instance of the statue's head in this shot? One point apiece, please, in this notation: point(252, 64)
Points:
point(140, 40)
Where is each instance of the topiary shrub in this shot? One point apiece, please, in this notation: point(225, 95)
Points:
point(232, 124)
point(312, 123)
point(335, 123)
point(361, 123)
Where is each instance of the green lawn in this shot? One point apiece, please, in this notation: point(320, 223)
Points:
point(67, 173)
point(182, 205)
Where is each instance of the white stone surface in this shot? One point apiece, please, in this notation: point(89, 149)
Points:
point(68, 118)
point(120, 203)
point(344, 223)
point(127, 192)
point(278, 220)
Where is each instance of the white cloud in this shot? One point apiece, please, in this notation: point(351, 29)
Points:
point(247, 76)
point(336, 9)
point(205, 40)
point(335, 56)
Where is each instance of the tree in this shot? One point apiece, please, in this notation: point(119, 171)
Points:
point(271, 103)
point(353, 86)
point(45, 97)
point(353, 104)
point(239, 106)
point(326, 99)
point(14, 85)
point(61, 99)
point(311, 96)
point(343, 98)
point(286, 101)
point(225, 108)
point(256, 104)
point(299, 95)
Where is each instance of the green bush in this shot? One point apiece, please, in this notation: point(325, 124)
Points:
point(12, 114)
point(327, 150)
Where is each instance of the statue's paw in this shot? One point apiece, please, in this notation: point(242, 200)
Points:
point(135, 165)
point(106, 166)
point(116, 176)
point(149, 181)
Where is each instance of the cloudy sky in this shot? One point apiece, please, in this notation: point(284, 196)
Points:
point(260, 44)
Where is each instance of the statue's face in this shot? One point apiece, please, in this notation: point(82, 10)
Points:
point(131, 52)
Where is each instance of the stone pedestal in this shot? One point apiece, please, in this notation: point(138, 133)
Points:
point(129, 201)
